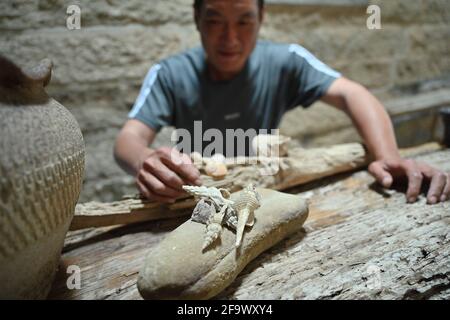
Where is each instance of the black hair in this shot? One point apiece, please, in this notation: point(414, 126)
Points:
point(198, 4)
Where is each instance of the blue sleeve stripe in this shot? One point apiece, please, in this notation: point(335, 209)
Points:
point(313, 61)
point(149, 81)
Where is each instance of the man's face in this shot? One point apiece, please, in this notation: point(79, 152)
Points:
point(229, 30)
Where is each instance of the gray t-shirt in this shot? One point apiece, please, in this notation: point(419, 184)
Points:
point(276, 78)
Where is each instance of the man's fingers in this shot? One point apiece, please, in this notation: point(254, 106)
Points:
point(182, 165)
point(383, 177)
point(415, 179)
point(437, 185)
point(159, 182)
point(157, 187)
point(446, 193)
point(165, 175)
point(439, 190)
point(152, 196)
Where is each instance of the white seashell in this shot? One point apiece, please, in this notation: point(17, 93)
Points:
point(245, 205)
point(219, 197)
point(231, 218)
point(213, 231)
point(216, 170)
point(215, 166)
point(214, 227)
point(266, 145)
point(215, 206)
point(197, 159)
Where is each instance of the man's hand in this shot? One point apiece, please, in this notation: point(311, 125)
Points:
point(375, 127)
point(163, 172)
point(386, 171)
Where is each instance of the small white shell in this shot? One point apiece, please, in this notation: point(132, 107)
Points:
point(216, 170)
point(213, 231)
point(197, 159)
point(248, 201)
point(267, 145)
point(215, 206)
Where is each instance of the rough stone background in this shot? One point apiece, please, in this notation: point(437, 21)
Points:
point(99, 69)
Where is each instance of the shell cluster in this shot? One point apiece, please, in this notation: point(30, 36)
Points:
point(268, 145)
point(268, 148)
point(214, 166)
point(215, 208)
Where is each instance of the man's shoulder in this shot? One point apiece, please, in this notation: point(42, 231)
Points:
point(273, 54)
point(289, 57)
point(272, 49)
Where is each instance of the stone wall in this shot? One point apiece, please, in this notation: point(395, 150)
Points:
point(99, 68)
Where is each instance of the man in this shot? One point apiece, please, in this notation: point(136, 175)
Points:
point(235, 81)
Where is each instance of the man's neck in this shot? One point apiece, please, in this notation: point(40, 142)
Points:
point(218, 76)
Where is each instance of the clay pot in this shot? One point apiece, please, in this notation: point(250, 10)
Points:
point(41, 171)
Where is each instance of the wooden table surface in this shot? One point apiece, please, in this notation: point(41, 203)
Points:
point(359, 242)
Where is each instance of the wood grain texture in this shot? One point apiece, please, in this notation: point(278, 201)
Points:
point(359, 241)
point(301, 166)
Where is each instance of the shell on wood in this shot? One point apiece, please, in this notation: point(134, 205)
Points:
point(213, 231)
point(219, 197)
point(213, 205)
point(245, 206)
point(214, 227)
point(216, 170)
point(215, 208)
point(268, 145)
point(197, 159)
point(231, 219)
point(214, 166)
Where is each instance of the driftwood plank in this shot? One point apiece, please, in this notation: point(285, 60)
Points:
point(96, 214)
point(418, 103)
point(301, 167)
point(359, 242)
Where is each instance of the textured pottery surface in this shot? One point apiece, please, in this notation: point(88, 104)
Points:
point(41, 171)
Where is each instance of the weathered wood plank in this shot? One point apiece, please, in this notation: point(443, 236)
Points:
point(418, 103)
point(109, 259)
point(358, 244)
point(354, 230)
point(303, 166)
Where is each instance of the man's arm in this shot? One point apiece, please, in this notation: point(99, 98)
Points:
point(131, 147)
point(160, 173)
point(375, 127)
